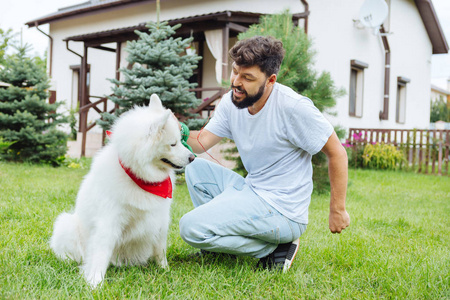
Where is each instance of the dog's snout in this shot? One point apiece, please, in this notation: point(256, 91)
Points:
point(191, 158)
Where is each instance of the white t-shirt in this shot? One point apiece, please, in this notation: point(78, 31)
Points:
point(276, 146)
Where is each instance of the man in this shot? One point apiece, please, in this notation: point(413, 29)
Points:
point(276, 132)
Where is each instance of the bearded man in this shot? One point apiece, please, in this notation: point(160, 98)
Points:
point(276, 132)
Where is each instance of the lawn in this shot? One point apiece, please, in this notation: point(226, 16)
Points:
point(397, 246)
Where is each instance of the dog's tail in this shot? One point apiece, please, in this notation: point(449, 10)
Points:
point(66, 239)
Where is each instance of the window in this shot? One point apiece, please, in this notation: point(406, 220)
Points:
point(76, 85)
point(400, 114)
point(356, 91)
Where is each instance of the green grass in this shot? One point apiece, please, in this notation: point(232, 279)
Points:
point(397, 246)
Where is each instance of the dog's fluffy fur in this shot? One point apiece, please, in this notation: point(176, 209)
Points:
point(115, 221)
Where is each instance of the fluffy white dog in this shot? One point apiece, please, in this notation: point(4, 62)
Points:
point(122, 211)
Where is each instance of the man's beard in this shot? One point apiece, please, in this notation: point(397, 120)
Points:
point(249, 100)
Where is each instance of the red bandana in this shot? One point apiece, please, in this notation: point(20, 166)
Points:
point(161, 189)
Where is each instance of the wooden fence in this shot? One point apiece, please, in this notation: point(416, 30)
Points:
point(426, 150)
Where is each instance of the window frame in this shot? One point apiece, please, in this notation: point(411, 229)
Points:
point(400, 101)
point(356, 88)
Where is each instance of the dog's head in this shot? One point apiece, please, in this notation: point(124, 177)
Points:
point(148, 141)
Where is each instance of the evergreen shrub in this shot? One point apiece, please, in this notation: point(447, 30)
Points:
point(27, 120)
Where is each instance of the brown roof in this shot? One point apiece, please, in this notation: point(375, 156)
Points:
point(78, 9)
point(432, 25)
point(236, 21)
point(425, 7)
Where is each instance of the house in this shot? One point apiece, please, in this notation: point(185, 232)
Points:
point(438, 93)
point(386, 71)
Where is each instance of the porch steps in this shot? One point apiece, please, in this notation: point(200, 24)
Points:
point(93, 144)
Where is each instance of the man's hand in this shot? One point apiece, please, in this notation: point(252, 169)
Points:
point(338, 221)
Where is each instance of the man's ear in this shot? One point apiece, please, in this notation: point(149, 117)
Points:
point(272, 79)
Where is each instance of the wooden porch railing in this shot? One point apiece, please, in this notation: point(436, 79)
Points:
point(83, 113)
point(206, 105)
point(422, 148)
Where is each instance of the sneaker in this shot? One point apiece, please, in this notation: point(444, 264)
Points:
point(281, 258)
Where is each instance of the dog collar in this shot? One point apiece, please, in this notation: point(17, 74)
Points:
point(161, 189)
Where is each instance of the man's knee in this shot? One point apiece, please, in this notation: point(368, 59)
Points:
point(191, 230)
point(192, 169)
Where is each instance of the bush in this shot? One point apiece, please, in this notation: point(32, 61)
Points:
point(439, 111)
point(355, 150)
point(382, 156)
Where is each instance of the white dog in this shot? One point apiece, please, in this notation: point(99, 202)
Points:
point(122, 209)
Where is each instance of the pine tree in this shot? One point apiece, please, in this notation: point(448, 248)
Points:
point(159, 67)
point(26, 118)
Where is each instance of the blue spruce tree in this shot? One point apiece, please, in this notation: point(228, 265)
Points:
point(158, 66)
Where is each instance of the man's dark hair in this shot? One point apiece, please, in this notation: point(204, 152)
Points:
point(266, 52)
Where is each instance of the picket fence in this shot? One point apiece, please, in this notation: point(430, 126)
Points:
point(427, 150)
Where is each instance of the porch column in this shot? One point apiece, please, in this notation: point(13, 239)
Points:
point(84, 100)
point(225, 46)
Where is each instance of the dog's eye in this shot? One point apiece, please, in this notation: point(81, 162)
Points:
point(173, 145)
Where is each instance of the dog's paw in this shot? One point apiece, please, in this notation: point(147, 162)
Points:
point(94, 280)
point(163, 263)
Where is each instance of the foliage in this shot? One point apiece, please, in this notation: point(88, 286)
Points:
point(231, 154)
point(4, 145)
point(439, 111)
point(159, 67)
point(26, 118)
point(321, 180)
point(5, 37)
point(393, 249)
point(297, 71)
point(382, 156)
point(73, 122)
point(355, 150)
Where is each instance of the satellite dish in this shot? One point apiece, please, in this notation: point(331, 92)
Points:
point(373, 13)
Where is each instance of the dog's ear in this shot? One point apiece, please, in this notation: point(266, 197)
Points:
point(167, 114)
point(158, 126)
point(155, 102)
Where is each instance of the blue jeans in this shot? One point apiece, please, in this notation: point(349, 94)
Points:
point(229, 217)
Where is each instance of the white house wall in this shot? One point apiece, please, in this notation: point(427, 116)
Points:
point(338, 40)
point(411, 52)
